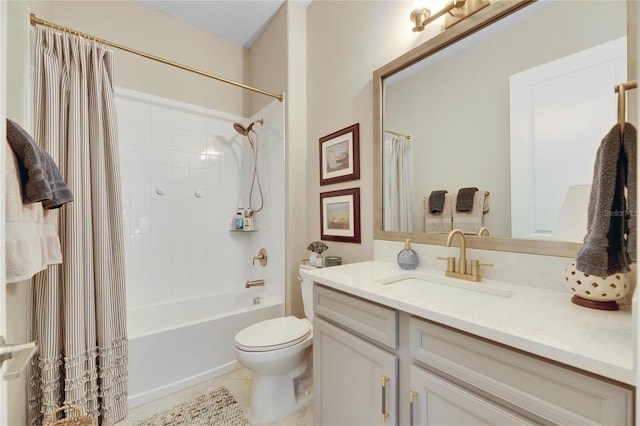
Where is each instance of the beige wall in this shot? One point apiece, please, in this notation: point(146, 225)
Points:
point(130, 23)
point(267, 65)
point(346, 42)
point(296, 152)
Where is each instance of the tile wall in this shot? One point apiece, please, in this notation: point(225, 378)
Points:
point(184, 173)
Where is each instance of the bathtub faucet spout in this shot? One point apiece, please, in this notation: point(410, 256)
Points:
point(254, 283)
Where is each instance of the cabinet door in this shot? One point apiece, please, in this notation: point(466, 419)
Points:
point(355, 382)
point(437, 401)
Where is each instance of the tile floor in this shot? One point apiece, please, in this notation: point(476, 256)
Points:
point(239, 384)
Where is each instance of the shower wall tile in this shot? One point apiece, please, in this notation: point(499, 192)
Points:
point(160, 156)
point(160, 137)
point(180, 159)
point(180, 121)
point(160, 118)
point(124, 156)
point(140, 189)
point(180, 174)
point(178, 245)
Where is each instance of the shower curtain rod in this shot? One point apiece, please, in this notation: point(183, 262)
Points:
point(37, 21)
point(408, 137)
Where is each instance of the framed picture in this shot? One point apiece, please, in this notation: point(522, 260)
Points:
point(340, 215)
point(340, 155)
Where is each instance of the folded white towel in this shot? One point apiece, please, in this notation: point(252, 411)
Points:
point(439, 222)
point(31, 232)
point(471, 222)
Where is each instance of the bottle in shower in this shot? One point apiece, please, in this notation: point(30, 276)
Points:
point(239, 220)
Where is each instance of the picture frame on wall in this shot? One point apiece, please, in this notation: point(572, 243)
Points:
point(340, 215)
point(340, 155)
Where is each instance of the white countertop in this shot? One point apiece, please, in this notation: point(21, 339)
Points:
point(538, 321)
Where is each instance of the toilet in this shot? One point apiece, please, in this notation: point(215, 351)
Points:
point(278, 351)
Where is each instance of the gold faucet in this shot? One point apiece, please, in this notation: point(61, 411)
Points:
point(254, 283)
point(483, 231)
point(462, 261)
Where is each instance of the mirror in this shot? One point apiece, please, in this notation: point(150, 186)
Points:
point(462, 95)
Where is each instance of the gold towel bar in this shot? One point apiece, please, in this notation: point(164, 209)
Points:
point(629, 85)
point(620, 89)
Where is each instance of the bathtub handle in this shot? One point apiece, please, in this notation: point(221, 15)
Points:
point(261, 257)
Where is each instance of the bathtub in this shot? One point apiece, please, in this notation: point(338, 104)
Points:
point(180, 343)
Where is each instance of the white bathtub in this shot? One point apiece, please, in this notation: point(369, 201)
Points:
point(181, 343)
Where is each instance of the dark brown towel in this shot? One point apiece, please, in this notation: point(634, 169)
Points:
point(464, 202)
point(41, 179)
point(606, 246)
point(436, 201)
point(629, 144)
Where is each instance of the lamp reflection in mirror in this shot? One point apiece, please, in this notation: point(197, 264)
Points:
point(588, 290)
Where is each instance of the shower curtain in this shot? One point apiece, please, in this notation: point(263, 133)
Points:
point(79, 307)
point(398, 185)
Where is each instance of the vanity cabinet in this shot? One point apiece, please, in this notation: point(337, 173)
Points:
point(371, 360)
point(514, 382)
point(435, 400)
point(355, 379)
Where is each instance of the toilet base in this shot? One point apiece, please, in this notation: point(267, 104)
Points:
point(276, 397)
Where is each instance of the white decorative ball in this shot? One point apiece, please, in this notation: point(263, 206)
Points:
point(591, 287)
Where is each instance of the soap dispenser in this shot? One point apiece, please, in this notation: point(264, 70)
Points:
point(408, 258)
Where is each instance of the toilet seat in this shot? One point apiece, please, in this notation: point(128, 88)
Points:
point(273, 334)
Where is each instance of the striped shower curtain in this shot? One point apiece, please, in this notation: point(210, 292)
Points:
point(79, 307)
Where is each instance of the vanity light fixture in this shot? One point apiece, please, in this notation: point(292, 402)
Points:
point(456, 11)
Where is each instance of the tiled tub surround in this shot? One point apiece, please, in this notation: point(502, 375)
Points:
point(178, 245)
point(185, 171)
point(535, 320)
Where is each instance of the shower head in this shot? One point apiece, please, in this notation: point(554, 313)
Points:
point(240, 129)
point(244, 131)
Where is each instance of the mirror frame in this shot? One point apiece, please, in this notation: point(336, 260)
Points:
point(470, 25)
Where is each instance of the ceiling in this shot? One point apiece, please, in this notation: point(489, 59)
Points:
point(240, 21)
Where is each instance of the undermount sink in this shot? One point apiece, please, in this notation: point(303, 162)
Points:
point(417, 279)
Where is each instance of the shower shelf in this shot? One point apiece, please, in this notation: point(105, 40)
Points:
point(243, 231)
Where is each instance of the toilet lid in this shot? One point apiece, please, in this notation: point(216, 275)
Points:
point(271, 334)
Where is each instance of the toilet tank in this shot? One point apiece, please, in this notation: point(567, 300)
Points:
point(306, 288)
